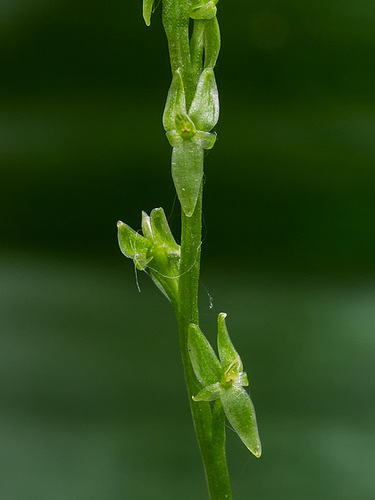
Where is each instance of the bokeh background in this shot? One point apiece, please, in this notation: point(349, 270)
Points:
point(92, 401)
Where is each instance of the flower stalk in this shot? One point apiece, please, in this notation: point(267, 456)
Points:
point(215, 385)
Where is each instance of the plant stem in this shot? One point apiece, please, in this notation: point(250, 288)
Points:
point(209, 428)
point(176, 25)
point(187, 56)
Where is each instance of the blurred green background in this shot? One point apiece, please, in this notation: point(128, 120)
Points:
point(92, 402)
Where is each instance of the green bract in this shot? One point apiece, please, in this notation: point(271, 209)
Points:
point(224, 379)
point(189, 134)
point(156, 249)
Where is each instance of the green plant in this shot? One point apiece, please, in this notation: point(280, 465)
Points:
point(191, 112)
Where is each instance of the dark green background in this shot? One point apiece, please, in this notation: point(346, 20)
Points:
point(92, 404)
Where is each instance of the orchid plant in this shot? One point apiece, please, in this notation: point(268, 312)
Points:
point(215, 385)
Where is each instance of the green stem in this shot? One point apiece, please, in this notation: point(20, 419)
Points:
point(176, 23)
point(209, 428)
point(196, 48)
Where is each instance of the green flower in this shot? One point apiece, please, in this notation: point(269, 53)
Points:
point(189, 134)
point(156, 250)
point(224, 379)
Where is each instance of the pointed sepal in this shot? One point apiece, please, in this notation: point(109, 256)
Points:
point(161, 233)
point(204, 110)
point(204, 361)
point(134, 246)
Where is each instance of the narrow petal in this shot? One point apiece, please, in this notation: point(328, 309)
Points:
point(227, 353)
point(161, 231)
point(146, 226)
point(209, 393)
